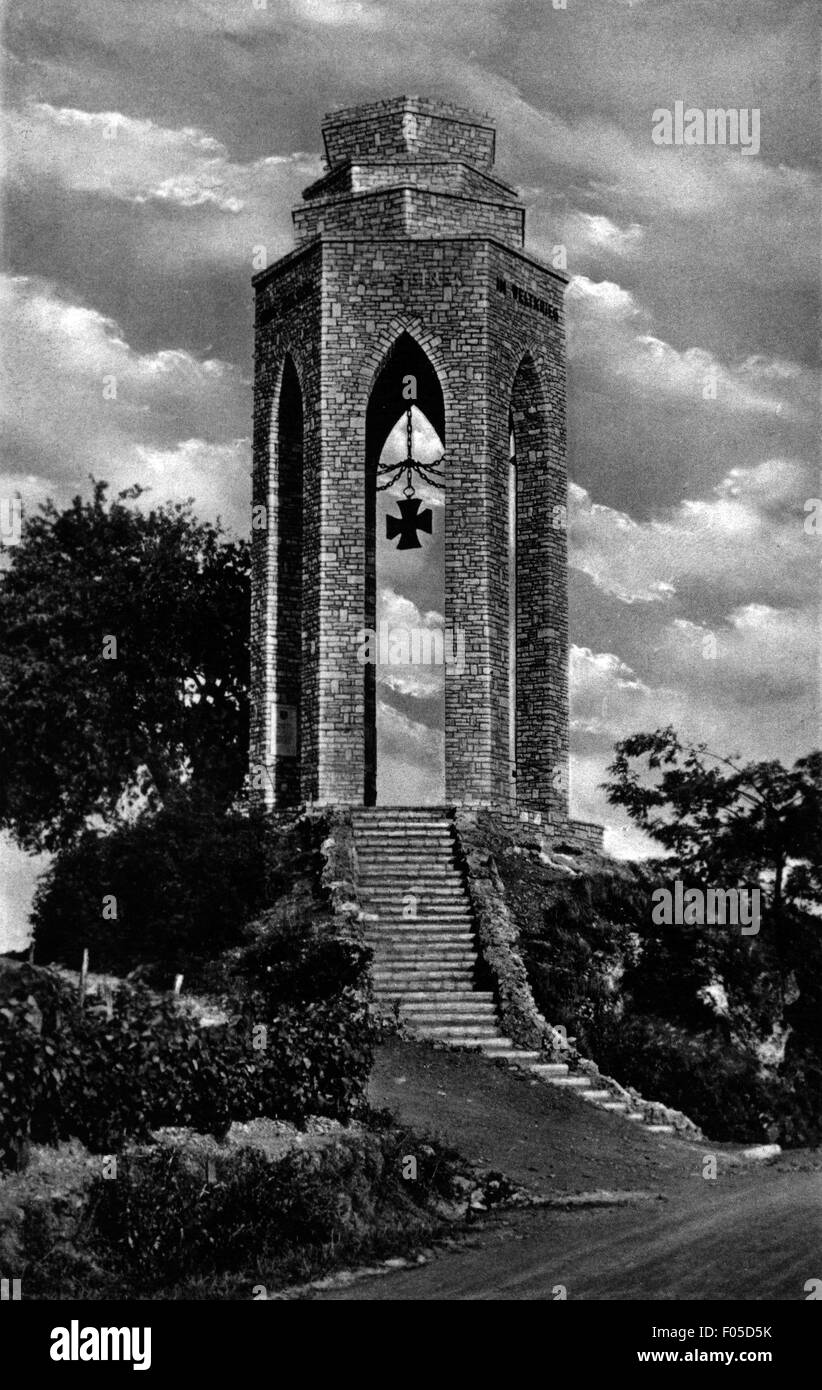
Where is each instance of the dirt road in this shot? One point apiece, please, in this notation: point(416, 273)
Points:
point(753, 1232)
point(760, 1238)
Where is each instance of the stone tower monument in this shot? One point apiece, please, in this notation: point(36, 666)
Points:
point(409, 264)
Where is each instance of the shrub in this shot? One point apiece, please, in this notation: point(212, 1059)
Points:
point(719, 1088)
point(185, 880)
point(105, 1076)
point(178, 1214)
point(291, 955)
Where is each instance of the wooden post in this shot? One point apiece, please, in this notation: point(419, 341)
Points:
point(83, 976)
point(178, 984)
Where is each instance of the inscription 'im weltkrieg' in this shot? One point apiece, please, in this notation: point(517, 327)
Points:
point(524, 297)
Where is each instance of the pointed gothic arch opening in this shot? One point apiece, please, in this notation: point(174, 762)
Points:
point(417, 576)
point(289, 587)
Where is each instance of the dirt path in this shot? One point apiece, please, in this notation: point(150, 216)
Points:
point(752, 1233)
point(546, 1138)
point(757, 1239)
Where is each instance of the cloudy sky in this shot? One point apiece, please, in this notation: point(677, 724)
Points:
point(155, 145)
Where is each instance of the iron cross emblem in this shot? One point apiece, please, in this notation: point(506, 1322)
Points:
point(408, 524)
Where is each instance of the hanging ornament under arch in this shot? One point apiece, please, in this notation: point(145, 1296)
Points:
point(410, 520)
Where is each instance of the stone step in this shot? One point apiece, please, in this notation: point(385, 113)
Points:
point(403, 988)
point(399, 813)
point(387, 885)
point(391, 982)
point(397, 971)
point(429, 896)
point(415, 830)
point(578, 1083)
point(417, 926)
point(451, 921)
point(391, 945)
point(426, 911)
point(374, 849)
point(436, 1011)
point(660, 1129)
point(446, 997)
point(436, 952)
point(520, 1058)
point(401, 882)
point(408, 864)
point(383, 931)
point(597, 1095)
point(396, 887)
point(425, 927)
point(461, 1031)
point(408, 945)
point(478, 1023)
point(456, 935)
point(401, 970)
point(438, 874)
point(551, 1068)
point(465, 965)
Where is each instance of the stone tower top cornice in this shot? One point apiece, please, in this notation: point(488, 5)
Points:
point(408, 127)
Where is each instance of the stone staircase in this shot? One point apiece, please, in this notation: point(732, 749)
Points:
point(420, 925)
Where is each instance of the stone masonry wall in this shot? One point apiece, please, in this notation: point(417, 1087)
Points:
point(287, 324)
point(411, 212)
point(490, 321)
point(444, 176)
point(404, 125)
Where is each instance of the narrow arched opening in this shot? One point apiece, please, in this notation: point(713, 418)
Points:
point(404, 697)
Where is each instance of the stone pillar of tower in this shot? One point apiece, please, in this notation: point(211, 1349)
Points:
point(409, 258)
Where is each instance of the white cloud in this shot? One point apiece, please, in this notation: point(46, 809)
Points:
point(78, 399)
point(401, 615)
point(339, 13)
point(747, 533)
point(608, 329)
point(603, 235)
point(231, 206)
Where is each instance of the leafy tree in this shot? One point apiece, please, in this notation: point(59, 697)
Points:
point(755, 822)
point(731, 824)
point(124, 664)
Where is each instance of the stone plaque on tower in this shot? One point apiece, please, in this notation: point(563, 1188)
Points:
point(409, 263)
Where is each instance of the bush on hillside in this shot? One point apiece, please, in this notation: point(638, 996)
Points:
point(183, 882)
point(692, 1016)
point(720, 1088)
point(291, 955)
point(104, 1076)
point(190, 1219)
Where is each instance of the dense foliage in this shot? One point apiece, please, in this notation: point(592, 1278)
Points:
point(124, 664)
point(169, 1223)
point(722, 821)
point(184, 882)
point(725, 1026)
point(187, 1218)
point(104, 1073)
